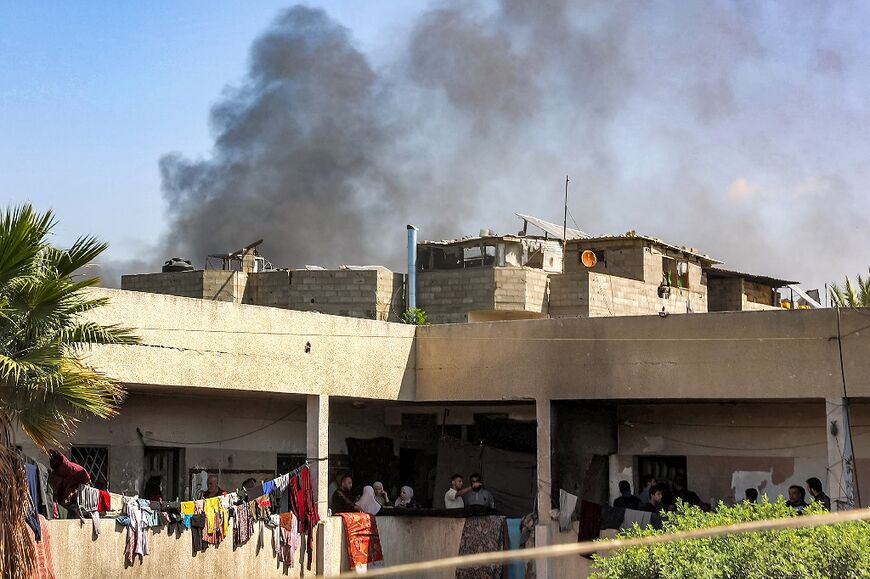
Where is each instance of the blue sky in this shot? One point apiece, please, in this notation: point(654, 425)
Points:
point(739, 128)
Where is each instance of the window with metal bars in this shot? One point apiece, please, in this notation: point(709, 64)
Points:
point(95, 460)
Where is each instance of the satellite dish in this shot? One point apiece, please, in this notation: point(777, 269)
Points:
point(588, 258)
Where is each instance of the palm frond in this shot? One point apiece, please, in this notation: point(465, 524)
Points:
point(79, 255)
point(91, 333)
point(22, 238)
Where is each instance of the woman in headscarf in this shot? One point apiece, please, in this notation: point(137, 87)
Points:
point(367, 502)
point(381, 494)
point(406, 499)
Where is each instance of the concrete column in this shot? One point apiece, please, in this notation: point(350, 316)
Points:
point(841, 460)
point(317, 423)
point(545, 480)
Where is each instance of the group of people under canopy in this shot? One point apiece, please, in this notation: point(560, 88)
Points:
point(374, 497)
point(661, 496)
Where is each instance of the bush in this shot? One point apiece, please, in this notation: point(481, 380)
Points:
point(829, 551)
point(415, 316)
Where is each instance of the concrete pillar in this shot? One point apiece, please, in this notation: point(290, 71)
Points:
point(841, 460)
point(545, 480)
point(317, 447)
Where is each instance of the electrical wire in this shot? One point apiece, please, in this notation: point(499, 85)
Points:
point(496, 339)
point(273, 423)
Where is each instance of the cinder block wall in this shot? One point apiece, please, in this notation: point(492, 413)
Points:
point(725, 294)
point(448, 295)
point(616, 296)
point(223, 286)
point(623, 258)
point(390, 296)
point(188, 284)
point(521, 289)
point(268, 288)
point(569, 295)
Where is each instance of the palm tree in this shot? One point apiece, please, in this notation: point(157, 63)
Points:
point(847, 295)
point(45, 386)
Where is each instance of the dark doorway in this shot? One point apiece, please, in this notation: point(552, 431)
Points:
point(665, 469)
point(163, 467)
point(417, 470)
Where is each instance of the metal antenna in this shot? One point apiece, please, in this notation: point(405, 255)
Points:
point(565, 226)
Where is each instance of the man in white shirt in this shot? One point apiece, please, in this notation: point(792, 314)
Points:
point(453, 497)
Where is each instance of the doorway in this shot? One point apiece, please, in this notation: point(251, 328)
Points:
point(163, 467)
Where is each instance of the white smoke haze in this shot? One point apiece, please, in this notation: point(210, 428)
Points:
point(734, 127)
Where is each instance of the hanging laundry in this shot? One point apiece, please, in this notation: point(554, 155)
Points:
point(188, 507)
point(46, 495)
point(268, 487)
point(116, 504)
point(66, 476)
point(104, 504)
point(88, 503)
point(44, 563)
point(197, 528)
point(482, 535)
point(567, 506)
point(363, 541)
point(243, 525)
point(32, 519)
point(137, 534)
point(282, 482)
point(290, 539)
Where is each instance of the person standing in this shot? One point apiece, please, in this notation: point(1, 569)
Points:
point(478, 496)
point(647, 481)
point(814, 485)
point(453, 496)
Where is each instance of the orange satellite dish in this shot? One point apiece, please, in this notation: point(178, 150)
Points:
point(588, 258)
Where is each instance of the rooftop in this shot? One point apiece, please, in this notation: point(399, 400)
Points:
point(718, 272)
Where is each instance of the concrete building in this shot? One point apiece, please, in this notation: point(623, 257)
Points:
point(490, 277)
point(728, 400)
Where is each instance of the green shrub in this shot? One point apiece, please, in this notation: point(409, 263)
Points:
point(829, 551)
point(415, 316)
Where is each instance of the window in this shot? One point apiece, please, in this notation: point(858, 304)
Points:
point(95, 460)
point(675, 272)
point(478, 255)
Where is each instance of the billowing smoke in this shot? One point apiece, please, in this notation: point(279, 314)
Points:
point(735, 127)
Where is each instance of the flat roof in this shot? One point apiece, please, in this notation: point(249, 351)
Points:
point(632, 235)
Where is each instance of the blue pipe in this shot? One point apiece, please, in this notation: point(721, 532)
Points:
point(412, 267)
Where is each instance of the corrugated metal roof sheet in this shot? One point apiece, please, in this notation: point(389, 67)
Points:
point(762, 279)
point(552, 229)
